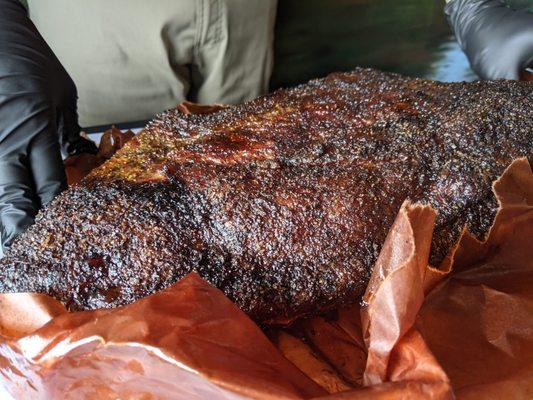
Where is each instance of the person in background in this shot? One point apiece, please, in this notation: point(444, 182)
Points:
point(37, 118)
point(496, 35)
point(130, 59)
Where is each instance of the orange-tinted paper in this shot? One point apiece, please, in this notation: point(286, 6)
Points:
point(188, 341)
point(479, 321)
point(79, 166)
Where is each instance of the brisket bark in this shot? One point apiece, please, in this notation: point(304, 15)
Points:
point(282, 202)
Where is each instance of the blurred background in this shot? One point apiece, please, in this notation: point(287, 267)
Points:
point(316, 37)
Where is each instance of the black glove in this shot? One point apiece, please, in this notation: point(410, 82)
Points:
point(38, 117)
point(497, 40)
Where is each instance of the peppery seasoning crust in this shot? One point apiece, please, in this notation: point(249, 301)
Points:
point(282, 202)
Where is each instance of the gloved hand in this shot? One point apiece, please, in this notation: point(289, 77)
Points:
point(38, 117)
point(497, 40)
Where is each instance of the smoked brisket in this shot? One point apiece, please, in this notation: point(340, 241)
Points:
point(282, 202)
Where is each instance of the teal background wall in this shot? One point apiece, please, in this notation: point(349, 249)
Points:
point(316, 37)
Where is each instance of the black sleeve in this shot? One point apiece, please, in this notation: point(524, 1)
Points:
point(497, 40)
point(37, 116)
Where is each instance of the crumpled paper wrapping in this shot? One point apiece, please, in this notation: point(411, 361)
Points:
point(188, 341)
point(461, 330)
point(79, 166)
point(478, 322)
